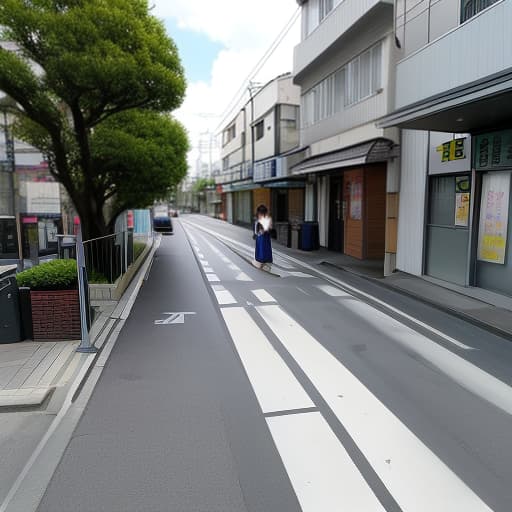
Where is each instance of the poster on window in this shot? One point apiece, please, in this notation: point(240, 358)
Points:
point(356, 199)
point(492, 237)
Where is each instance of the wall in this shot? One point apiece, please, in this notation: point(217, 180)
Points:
point(332, 28)
point(480, 47)
point(375, 218)
point(412, 201)
point(266, 146)
point(367, 110)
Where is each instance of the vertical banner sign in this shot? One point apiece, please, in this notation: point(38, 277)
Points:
point(492, 239)
point(356, 199)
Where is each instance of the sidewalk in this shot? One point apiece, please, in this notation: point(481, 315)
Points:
point(485, 309)
point(31, 372)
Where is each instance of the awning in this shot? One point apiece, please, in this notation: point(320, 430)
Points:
point(482, 104)
point(285, 184)
point(377, 150)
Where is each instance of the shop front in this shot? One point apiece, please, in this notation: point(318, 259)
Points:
point(357, 212)
point(493, 170)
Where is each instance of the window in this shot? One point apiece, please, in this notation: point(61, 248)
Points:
point(357, 80)
point(325, 7)
point(470, 8)
point(229, 134)
point(259, 130)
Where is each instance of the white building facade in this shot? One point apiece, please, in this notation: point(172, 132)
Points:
point(454, 105)
point(345, 67)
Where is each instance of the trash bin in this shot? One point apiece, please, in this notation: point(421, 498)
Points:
point(309, 240)
point(10, 329)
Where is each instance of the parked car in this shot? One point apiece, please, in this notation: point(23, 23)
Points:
point(163, 224)
point(174, 213)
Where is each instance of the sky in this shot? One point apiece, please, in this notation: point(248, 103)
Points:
point(220, 42)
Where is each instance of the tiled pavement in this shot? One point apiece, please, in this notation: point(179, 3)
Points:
point(30, 371)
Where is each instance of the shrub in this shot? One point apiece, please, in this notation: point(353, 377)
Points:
point(138, 249)
point(53, 275)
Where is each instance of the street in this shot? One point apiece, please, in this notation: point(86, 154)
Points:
point(232, 389)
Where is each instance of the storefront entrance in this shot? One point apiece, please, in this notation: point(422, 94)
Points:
point(357, 213)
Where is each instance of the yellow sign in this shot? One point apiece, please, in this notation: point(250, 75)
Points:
point(452, 150)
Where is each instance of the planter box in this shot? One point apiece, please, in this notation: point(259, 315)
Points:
point(56, 315)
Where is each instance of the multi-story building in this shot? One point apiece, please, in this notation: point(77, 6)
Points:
point(454, 105)
point(345, 65)
point(259, 147)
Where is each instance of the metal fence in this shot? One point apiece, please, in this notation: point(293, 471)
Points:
point(107, 258)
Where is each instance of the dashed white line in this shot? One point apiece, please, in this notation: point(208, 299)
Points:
point(224, 297)
point(263, 296)
point(213, 278)
point(208, 270)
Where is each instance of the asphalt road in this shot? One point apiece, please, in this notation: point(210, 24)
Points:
point(288, 394)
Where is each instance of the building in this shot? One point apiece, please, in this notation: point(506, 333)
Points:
point(454, 105)
point(345, 65)
point(259, 147)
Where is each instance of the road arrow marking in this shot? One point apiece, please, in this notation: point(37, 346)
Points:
point(173, 318)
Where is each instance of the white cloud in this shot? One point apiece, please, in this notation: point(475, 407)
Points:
point(246, 29)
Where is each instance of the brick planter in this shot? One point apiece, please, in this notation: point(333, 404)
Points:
point(56, 315)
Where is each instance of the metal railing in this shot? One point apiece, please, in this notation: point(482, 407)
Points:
point(107, 258)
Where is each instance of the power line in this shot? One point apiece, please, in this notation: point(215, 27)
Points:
point(238, 96)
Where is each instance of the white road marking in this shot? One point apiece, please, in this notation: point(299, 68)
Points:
point(263, 296)
point(243, 277)
point(217, 287)
point(208, 270)
point(232, 266)
point(300, 274)
point(224, 297)
point(201, 255)
point(333, 291)
point(466, 374)
point(321, 472)
point(213, 278)
point(405, 465)
point(346, 286)
point(204, 263)
point(274, 384)
point(174, 318)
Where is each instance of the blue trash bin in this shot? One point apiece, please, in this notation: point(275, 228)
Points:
point(310, 239)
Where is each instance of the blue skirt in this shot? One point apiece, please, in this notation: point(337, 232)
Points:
point(263, 252)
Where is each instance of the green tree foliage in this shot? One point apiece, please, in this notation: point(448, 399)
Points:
point(202, 183)
point(81, 66)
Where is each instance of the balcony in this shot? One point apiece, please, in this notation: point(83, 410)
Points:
point(475, 50)
point(331, 31)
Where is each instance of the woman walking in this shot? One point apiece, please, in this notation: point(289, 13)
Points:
point(262, 227)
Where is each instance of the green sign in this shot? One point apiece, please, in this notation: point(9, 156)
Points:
point(493, 151)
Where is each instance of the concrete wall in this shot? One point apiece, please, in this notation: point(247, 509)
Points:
point(478, 48)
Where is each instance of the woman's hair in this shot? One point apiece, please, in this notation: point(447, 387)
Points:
point(261, 210)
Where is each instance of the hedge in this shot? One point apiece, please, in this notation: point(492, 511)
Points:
point(53, 275)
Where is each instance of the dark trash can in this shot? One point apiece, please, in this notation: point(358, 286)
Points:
point(309, 239)
point(10, 328)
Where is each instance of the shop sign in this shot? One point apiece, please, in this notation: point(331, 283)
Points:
point(492, 237)
point(449, 154)
point(462, 200)
point(356, 199)
point(493, 151)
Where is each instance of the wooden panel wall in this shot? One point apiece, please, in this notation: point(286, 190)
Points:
point(375, 212)
point(353, 227)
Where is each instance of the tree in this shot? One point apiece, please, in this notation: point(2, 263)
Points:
point(134, 148)
point(79, 65)
point(202, 183)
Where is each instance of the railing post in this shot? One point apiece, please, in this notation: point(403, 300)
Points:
point(85, 344)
